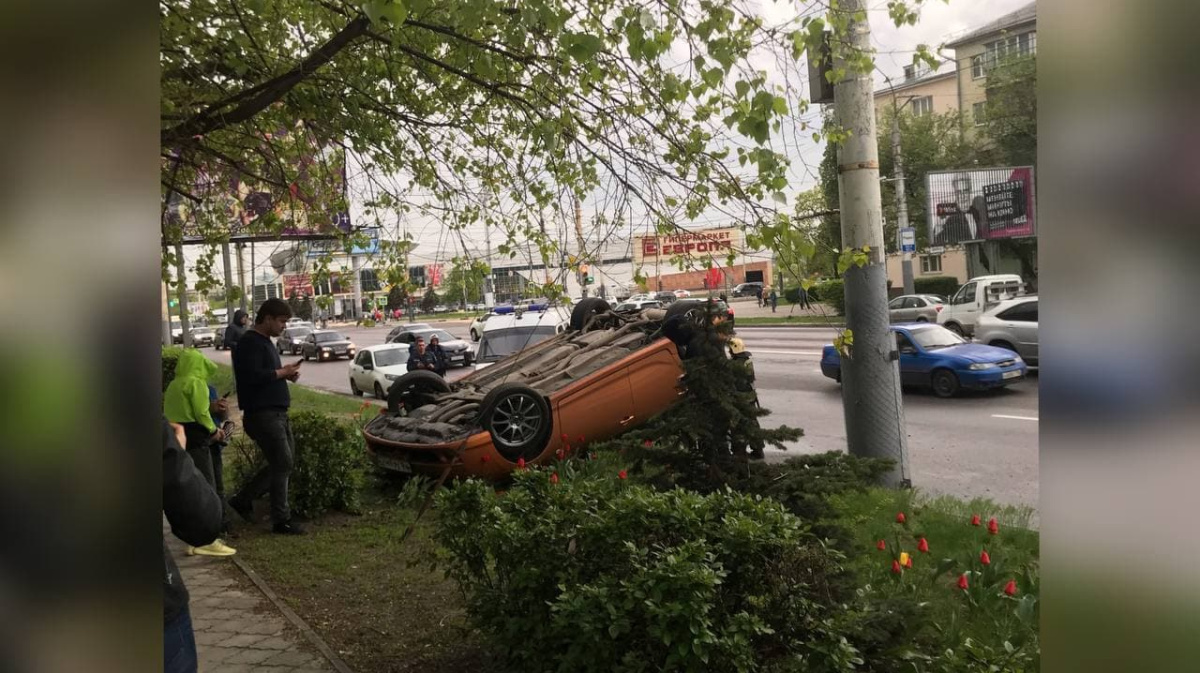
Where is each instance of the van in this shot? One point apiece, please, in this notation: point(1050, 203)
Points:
point(976, 296)
point(512, 329)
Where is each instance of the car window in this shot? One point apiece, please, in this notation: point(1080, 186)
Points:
point(1023, 312)
point(499, 344)
point(911, 302)
point(363, 358)
point(390, 357)
point(902, 342)
point(932, 338)
point(405, 337)
point(965, 294)
point(325, 337)
point(898, 302)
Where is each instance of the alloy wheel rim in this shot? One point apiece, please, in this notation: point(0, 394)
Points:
point(516, 420)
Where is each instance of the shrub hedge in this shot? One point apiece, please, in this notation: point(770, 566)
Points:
point(943, 285)
point(831, 293)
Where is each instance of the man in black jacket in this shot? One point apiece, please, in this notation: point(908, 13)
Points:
point(264, 399)
point(194, 511)
point(236, 329)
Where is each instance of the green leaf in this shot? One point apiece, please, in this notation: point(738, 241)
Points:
point(779, 197)
point(713, 77)
point(781, 107)
point(581, 46)
point(396, 11)
point(742, 87)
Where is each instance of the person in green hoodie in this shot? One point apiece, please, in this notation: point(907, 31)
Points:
point(187, 403)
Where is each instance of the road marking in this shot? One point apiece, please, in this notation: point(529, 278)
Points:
point(755, 351)
point(1016, 418)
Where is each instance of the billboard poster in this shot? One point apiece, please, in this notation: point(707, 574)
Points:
point(699, 245)
point(980, 204)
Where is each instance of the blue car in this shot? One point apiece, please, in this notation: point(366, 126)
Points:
point(933, 356)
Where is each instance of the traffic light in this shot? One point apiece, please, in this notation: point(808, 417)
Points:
point(585, 272)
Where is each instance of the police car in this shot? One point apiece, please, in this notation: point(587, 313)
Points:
point(511, 329)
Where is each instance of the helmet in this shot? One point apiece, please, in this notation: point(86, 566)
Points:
point(736, 346)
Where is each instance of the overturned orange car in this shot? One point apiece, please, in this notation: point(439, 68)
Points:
point(612, 371)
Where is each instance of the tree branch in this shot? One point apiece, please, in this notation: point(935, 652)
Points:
point(257, 98)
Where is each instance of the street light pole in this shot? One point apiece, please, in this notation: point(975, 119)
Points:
point(906, 264)
point(871, 399)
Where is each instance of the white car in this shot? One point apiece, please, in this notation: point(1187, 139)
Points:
point(476, 328)
point(376, 367)
point(641, 297)
point(682, 294)
point(637, 305)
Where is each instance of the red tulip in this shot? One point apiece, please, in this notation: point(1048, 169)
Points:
point(554, 478)
point(881, 545)
point(1011, 588)
point(565, 438)
point(521, 463)
point(579, 439)
point(907, 560)
point(975, 520)
point(984, 558)
point(993, 527)
point(648, 443)
point(923, 545)
point(900, 518)
point(560, 454)
point(962, 582)
point(485, 458)
point(896, 567)
point(622, 474)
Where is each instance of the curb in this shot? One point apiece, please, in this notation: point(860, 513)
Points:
point(802, 326)
point(310, 635)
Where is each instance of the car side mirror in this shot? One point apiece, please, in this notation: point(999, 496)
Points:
point(368, 367)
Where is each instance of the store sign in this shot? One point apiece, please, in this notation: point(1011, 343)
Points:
point(702, 244)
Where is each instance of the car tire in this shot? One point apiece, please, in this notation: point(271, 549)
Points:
point(474, 335)
point(468, 360)
point(693, 310)
point(944, 382)
point(999, 343)
point(585, 309)
point(354, 389)
point(509, 405)
point(379, 394)
point(415, 389)
point(922, 318)
point(956, 328)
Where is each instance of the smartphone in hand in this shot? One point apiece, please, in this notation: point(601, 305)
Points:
point(299, 362)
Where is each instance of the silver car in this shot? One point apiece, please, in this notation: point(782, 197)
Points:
point(915, 308)
point(1011, 324)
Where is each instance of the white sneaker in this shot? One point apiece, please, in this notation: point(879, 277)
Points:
point(216, 548)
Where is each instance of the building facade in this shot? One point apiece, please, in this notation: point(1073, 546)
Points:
point(950, 262)
point(921, 92)
point(982, 49)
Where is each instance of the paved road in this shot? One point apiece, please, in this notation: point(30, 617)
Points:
point(980, 444)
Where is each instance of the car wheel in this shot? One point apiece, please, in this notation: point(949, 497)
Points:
point(518, 419)
point(474, 335)
point(1003, 344)
point(922, 318)
point(415, 389)
point(468, 360)
point(379, 394)
point(354, 389)
point(584, 311)
point(945, 383)
point(956, 328)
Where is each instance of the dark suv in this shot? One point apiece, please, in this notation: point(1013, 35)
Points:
point(753, 289)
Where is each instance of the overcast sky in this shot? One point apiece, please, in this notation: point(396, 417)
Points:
point(940, 21)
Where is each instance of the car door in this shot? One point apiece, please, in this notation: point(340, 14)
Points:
point(359, 373)
point(920, 309)
point(308, 347)
point(1022, 322)
point(597, 407)
point(895, 309)
point(913, 370)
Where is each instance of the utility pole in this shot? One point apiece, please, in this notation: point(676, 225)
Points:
point(580, 257)
point(901, 197)
point(184, 315)
point(489, 292)
point(874, 410)
point(241, 264)
point(228, 281)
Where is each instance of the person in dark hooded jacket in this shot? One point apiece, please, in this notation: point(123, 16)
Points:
point(194, 512)
point(235, 330)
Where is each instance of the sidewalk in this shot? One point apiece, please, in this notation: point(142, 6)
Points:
point(238, 628)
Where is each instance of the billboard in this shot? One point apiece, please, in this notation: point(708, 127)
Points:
point(980, 204)
point(229, 203)
point(697, 245)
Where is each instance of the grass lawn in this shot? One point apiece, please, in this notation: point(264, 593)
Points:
point(826, 321)
point(374, 599)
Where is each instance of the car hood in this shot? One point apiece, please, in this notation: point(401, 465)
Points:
point(455, 345)
point(331, 344)
point(394, 370)
point(975, 353)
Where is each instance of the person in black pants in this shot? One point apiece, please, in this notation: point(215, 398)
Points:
point(264, 399)
point(439, 356)
point(194, 512)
